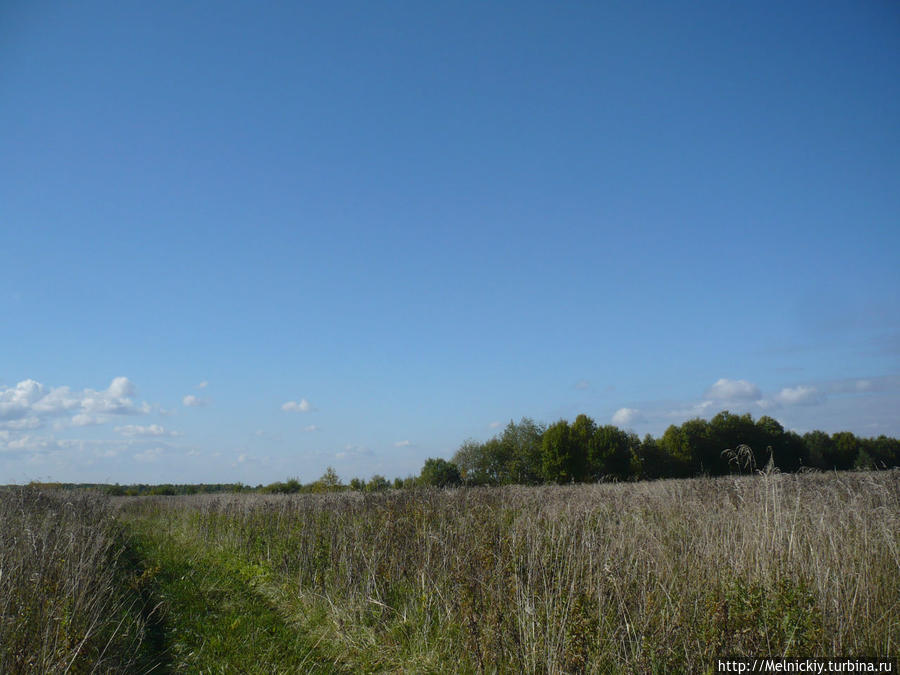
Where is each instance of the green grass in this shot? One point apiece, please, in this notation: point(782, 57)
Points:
point(218, 614)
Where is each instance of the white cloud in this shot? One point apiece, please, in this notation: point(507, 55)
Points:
point(243, 459)
point(149, 430)
point(353, 452)
point(31, 443)
point(733, 390)
point(149, 455)
point(203, 385)
point(626, 416)
point(696, 410)
point(495, 425)
point(402, 444)
point(82, 420)
point(24, 423)
point(863, 385)
point(310, 428)
point(121, 387)
point(801, 395)
point(191, 401)
point(297, 406)
point(30, 400)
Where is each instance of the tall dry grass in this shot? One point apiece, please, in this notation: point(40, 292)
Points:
point(64, 606)
point(633, 577)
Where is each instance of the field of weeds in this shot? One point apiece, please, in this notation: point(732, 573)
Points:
point(631, 577)
point(66, 604)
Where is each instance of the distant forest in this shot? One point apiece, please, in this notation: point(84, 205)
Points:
point(582, 451)
point(529, 453)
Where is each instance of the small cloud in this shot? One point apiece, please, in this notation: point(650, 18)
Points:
point(203, 385)
point(802, 395)
point(311, 428)
point(150, 455)
point(193, 452)
point(149, 430)
point(82, 420)
point(582, 385)
point(301, 406)
point(245, 459)
point(191, 401)
point(353, 451)
point(403, 444)
point(24, 423)
point(863, 385)
point(733, 390)
point(626, 416)
point(495, 425)
point(696, 410)
point(121, 387)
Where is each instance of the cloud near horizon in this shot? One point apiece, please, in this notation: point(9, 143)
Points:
point(627, 416)
point(733, 390)
point(301, 406)
point(800, 395)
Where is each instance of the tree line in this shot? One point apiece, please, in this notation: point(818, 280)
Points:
point(530, 453)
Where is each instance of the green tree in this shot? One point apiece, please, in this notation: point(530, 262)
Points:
point(583, 448)
point(328, 482)
point(377, 483)
point(522, 450)
point(472, 461)
point(653, 461)
point(706, 455)
point(883, 451)
point(819, 448)
point(676, 451)
point(727, 430)
point(845, 448)
point(611, 452)
point(558, 461)
point(439, 473)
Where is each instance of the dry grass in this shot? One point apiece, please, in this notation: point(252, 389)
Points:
point(639, 577)
point(63, 604)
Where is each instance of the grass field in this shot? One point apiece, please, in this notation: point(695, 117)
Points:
point(630, 577)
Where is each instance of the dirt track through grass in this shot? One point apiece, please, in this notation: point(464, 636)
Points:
point(215, 614)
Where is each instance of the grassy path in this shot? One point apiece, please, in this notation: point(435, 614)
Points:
point(215, 614)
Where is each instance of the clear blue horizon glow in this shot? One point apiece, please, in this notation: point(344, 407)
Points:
point(358, 234)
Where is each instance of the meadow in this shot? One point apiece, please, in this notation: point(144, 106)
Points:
point(649, 577)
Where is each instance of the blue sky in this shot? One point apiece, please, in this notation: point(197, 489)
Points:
point(246, 241)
